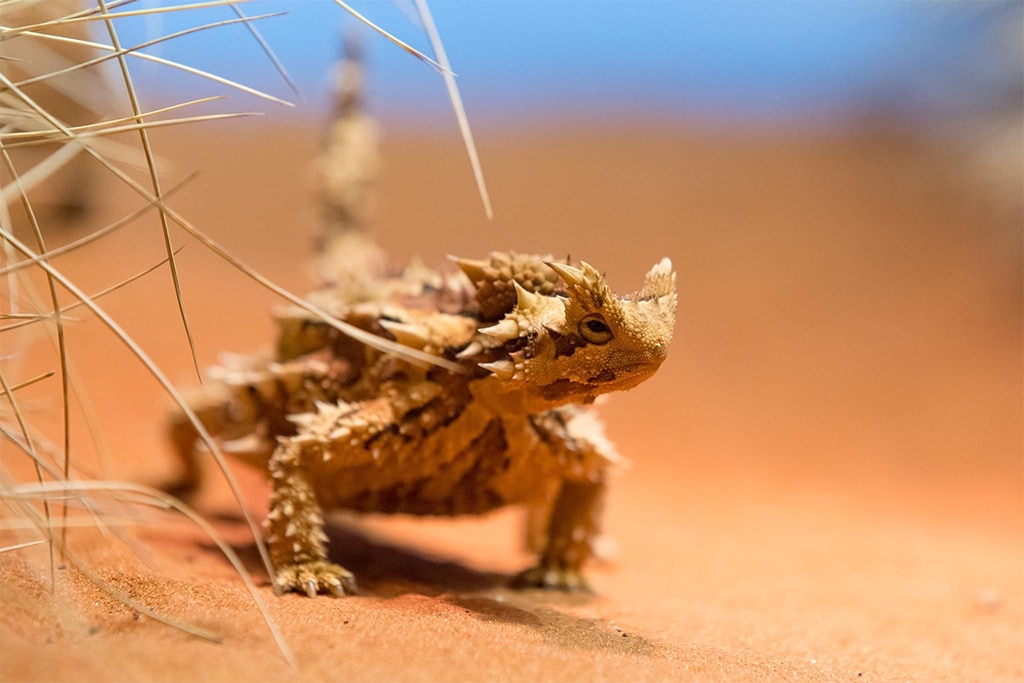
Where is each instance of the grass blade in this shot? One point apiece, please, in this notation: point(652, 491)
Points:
point(456, 100)
point(397, 41)
point(155, 181)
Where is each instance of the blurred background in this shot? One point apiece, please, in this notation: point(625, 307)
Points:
point(715, 63)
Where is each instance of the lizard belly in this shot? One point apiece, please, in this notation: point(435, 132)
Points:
point(477, 463)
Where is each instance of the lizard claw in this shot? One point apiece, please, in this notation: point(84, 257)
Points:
point(313, 578)
point(552, 578)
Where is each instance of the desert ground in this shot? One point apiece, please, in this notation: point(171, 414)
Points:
point(825, 478)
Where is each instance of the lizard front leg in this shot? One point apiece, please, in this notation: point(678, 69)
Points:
point(585, 457)
point(572, 527)
point(298, 544)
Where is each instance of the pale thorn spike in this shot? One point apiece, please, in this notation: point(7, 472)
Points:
point(414, 336)
point(569, 274)
point(246, 444)
point(594, 284)
point(471, 350)
point(525, 299)
point(505, 330)
point(660, 280)
point(301, 419)
point(502, 369)
point(474, 270)
point(662, 267)
point(589, 271)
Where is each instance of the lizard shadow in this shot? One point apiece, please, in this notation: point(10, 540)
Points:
point(393, 572)
point(383, 568)
point(387, 569)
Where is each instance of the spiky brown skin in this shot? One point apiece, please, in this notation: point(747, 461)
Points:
point(341, 425)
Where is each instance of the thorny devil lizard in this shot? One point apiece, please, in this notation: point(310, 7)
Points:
point(340, 424)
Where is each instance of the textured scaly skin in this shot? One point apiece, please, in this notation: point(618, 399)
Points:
point(341, 425)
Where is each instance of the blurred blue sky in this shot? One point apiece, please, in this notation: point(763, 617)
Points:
point(524, 61)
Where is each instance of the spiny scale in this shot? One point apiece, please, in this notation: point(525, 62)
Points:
point(341, 424)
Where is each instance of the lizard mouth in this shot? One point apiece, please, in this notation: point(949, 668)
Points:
point(606, 381)
point(628, 375)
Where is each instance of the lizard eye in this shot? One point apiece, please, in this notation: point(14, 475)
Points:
point(595, 330)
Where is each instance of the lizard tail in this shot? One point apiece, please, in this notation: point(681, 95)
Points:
point(347, 172)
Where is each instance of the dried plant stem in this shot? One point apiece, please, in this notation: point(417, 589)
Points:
point(13, 496)
point(97, 130)
point(413, 355)
point(160, 60)
point(27, 124)
point(138, 494)
point(95, 14)
point(62, 348)
point(23, 426)
point(93, 236)
point(21, 385)
point(456, 100)
point(154, 370)
point(400, 43)
point(119, 52)
point(267, 50)
point(34, 318)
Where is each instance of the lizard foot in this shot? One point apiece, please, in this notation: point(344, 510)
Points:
point(312, 578)
point(552, 578)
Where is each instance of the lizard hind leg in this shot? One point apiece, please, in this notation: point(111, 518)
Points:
point(208, 407)
point(229, 415)
point(183, 438)
point(234, 408)
point(296, 538)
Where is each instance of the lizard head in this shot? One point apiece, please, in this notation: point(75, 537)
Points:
point(584, 341)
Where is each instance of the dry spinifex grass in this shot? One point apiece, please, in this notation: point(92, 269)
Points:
point(60, 63)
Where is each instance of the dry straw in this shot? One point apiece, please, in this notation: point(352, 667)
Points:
point(55, 56)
